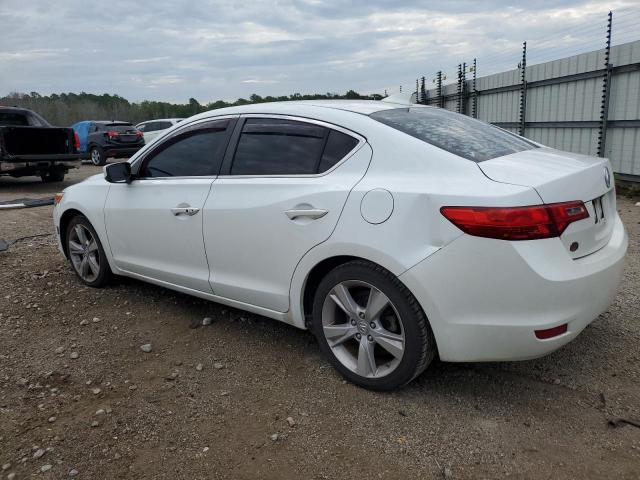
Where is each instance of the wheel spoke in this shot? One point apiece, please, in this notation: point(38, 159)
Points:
point(93, 265)
point(366, 359)
point(376, 304)
point(81, 235)
point(75, 248)
point(84, 267)
point(93, 246)
point(340, 294)
point(337, 334)
point(391, 342)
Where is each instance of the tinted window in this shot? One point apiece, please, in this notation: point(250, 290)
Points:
point(338, 145)
point(162, 125)
point(10, 118)
point(189, 154)
point(458, 134)
point(270, 146)
point(22, 118)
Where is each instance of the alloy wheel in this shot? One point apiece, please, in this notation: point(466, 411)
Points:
point(84, 253)
point(363, 329)
point(95, 156)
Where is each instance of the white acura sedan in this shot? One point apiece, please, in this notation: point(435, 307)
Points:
point(393, 232)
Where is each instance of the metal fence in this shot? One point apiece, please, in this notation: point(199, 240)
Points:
point(587, 103)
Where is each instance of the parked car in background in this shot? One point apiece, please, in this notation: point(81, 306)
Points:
point(30, 146)
point(103, 139)
point(154, 128)
point(395, 232)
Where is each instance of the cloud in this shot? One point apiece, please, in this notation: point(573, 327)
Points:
point(212, 49)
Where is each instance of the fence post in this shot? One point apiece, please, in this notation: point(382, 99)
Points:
point(523, 90)
point(606, 89)
point(464, 89)
point(439, 89)
point(459, 91)
point(474, 103)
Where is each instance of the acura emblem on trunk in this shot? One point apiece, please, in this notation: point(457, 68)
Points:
point(607, 177)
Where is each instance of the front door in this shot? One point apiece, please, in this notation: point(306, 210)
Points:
point(154, 224)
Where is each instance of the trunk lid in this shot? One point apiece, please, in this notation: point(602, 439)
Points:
point(562, 177)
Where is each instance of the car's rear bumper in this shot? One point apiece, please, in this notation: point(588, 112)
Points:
point(486, 298)
point(35, 164)
point(127, 151)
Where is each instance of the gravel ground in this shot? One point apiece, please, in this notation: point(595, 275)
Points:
point(247, 397)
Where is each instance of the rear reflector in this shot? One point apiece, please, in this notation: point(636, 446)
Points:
point(551, 332)
point(76, 141)
point(516, 223)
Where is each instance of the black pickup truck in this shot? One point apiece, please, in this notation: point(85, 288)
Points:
point(30, 146)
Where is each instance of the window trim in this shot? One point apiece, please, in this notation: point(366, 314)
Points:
point(139, 161)
point(225, 171)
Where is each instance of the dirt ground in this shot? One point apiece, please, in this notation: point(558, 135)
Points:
point(247, 397)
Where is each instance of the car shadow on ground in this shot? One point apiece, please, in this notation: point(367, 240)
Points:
point(465, 381)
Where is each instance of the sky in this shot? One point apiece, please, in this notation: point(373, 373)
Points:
point(172, 50)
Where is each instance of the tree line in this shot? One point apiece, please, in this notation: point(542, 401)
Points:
point(68, 108)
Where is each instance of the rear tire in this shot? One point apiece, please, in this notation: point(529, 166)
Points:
point(382, 339)
point(86, 254)
point(97, 156)
point(53, 175)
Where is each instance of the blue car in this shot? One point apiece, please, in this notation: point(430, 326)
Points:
point(102, 139)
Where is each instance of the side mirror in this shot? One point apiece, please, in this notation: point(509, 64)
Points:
point(118, 173)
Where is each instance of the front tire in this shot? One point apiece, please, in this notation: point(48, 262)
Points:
point(370, 326)
point(86, 254)
point(97, 156)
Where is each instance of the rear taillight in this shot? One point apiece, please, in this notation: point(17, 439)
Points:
point(139, 134)
point(516, 223)
point(112, 134)
point(76, 141)
point(58, 198)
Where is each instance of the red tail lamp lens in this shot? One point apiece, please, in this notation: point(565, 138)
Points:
point(76, 141)
point(112, 134)
point(516, 223)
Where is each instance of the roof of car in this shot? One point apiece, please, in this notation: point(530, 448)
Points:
point(7, 107)
point(162, 120)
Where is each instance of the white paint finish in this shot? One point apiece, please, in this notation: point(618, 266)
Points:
point(147, 239)
point(259, 259)
point(504, 291)
point(152, 135)
point(253, 246)
point(376, 206)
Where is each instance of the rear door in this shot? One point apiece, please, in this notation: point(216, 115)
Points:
point(154, 224)
point(281, 192)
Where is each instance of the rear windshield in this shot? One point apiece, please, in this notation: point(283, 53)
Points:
point(117, 127)
point(22, 118)
point(458, 134)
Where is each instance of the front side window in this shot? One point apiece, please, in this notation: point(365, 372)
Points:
point(458, 134)
point(194, 153)
point(270, 146)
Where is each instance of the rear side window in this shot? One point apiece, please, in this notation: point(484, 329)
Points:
point(458, 134)
point(269, 146)
point(194, 153)
point(338, 145)
point(22, 118)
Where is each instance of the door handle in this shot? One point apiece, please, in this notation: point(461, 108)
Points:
point(184, 210)
point(312, 213)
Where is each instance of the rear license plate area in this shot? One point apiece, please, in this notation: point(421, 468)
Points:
point(598, 205)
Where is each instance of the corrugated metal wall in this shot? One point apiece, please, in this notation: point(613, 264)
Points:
point(563, 103)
